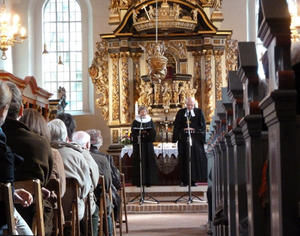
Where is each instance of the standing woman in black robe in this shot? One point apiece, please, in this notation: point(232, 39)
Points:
point(143, 123)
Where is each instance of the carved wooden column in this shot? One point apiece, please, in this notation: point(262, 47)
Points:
point(99, 74)
point(115, 88)
point(279, 111)
point(136, 75)
point(125, 103)
point(197, 77)
point(235, 92)
point(208, 93)
point(218, 74)
point(256, 140)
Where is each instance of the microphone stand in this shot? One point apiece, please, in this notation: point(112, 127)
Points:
point(190, 144)
point(142, 187)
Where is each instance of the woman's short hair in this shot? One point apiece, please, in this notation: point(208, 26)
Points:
point(16, 101)
point(58, 130)
point(5, 94)
point(142, 108)
point(35, 122)
point(69, 122)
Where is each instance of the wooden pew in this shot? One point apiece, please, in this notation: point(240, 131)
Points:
point(70, 206)
point(7, 199)
point(54, 185)
point(34, 187)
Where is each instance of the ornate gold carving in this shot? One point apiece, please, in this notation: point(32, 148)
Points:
point(231, 55)
point(208, 99)
point(146, 95)
point(99, 74)
point(218, 74)
point(115, 87)
point(170, 16)
point(137, 75)
point(157, 89)
point(166, 95)
point(197, 76)
point(217, 4)
point(157, 62)
point(125, 87)
point(178, 48)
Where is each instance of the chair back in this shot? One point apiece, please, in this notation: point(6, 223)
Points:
point(70, 206)
point(103, 225)
point(54, 185)
point(7, 200)
point(34, 187)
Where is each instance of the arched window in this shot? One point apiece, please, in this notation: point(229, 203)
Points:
point(62, 36)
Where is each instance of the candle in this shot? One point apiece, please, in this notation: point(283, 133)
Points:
point(136, 108)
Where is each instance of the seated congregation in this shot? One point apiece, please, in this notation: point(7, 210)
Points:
point(54, 180)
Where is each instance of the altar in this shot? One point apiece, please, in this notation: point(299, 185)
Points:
point(166, 158)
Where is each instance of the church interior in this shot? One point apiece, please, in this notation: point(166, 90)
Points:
point(102, 60)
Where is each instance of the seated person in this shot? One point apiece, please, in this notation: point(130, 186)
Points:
point(82, 139)
point(74, 162)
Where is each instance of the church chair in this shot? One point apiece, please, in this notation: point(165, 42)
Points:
point(54, 185)
point(113, 222)
point(70, 206)
point(103, 209)
point(123, 207)
point(7, 199)
point(88, 216)
point(34, 187)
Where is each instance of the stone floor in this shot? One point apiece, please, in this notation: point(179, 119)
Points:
point(176, 224)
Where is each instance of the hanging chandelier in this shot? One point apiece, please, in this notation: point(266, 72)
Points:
point(11, 31)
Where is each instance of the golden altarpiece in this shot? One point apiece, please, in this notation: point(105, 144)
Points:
point(194, 53)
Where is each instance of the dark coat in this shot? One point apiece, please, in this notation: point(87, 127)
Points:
point(198, 157)
point(103, 165)
point(150, 170)
point(34, 148)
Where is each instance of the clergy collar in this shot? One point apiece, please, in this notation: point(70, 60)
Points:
point(144, 120)
point(187, 112)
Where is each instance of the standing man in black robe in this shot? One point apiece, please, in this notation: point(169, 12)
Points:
point(143, 121)
point(197, 126)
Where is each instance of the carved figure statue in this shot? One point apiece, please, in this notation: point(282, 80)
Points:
point(166, 95)
point(195, 14)
point(182, 94)
point(157, 93)
point(149, 94)
point(114, 3)
point(177, 10)
point(134, 16)
point(175, 93)
point(217, 4)
point(151, 12)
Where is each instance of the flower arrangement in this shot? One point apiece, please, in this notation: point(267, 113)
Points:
point(125, 139)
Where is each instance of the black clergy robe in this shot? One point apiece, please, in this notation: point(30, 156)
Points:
point(198, 157)
point(150, 170)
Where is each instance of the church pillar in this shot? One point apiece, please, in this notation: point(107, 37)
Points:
point(197, 77)
point(218, 74)
point(136, 75)
point(208, 101)
point(125, 111)
point(115, 89)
